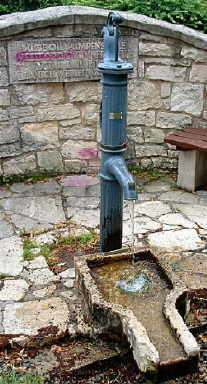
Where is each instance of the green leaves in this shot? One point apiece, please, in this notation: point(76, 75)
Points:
point(190, 13)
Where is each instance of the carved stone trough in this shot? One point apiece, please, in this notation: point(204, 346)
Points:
point(150, 319)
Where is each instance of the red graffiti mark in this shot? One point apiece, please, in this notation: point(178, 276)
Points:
point(22, 56)
point(88, 153)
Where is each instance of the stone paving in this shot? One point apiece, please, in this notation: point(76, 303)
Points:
point(38, 305)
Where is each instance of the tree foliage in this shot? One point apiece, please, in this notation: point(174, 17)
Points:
point(190, 13)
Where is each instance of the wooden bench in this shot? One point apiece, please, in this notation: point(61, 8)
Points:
point(192, 164)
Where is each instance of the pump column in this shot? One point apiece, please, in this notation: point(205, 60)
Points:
point(113, 143)
point(113, 128)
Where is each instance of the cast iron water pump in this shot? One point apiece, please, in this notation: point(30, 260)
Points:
point(116, 182)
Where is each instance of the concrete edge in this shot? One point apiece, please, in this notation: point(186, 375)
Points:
point(16, 23)
point(186, 338)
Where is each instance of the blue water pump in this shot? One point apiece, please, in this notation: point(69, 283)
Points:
point(116, 182)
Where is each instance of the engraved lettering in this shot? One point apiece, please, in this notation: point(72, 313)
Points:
point(63, 59)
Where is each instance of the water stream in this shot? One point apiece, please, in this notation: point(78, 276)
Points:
point(131, 213)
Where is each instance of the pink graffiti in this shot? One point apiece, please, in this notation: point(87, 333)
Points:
point(88, 153)
point(22, 56)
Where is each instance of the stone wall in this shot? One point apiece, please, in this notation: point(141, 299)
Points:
point(53, 125)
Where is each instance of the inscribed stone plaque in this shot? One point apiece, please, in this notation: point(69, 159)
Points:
point(63, 60)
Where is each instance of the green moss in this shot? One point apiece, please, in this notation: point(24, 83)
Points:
point(4, 276)
point(12, 377)
point(9, 180)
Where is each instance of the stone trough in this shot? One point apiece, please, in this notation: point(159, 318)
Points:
point(147, 314)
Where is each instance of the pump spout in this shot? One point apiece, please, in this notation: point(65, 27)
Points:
point(116, 167)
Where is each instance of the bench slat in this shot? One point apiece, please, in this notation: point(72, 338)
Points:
point(189, 135)
point(189, 144)
point(195, 131)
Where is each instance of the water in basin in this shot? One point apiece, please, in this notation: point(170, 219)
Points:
point(142, 288)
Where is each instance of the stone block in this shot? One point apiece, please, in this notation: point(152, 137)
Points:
point(67, 123)
point(58, 112)
point(164, 162)
point(83, 202)
point(76, 30)
point(7, 150)
point(192, 170)
point(156, 49)
point(84, 91)
point(195, 54)
point(11, 256)
point(188, 98)
point(146, 163)
point(44, 209)
point(4, 98)
point(29, 317)
point(141, 69)
point(144, 35)
point(34, 94)
point(166, 73)
point(144, 95)
point(171, 120)
point(168, 61)
point(198, 73)
point(20, 166)
point(184, 239)
point(4, 116)
point(141, 118)
point(165, 89)
point(14, 290)
point(3, 60)
point(50, 161)
point(135, 133)
point(198, 123)
point(41, 276)
point(150, 150)
point(83, 150)
point(38, 135)
point(205, 115)
point(154, 135)
point(90, 217)
point(77, 132)
point(75, 166)
point(90, 114)
point(152, 209)
point(6, 229)
point(9, 132)
point(21, 112)
point(4, 80)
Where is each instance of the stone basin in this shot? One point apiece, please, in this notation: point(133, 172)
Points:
point(142, 303)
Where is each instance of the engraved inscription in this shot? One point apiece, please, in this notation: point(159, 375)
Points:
point(63, 60)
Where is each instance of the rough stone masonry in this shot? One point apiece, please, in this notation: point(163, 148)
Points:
point(50, 92)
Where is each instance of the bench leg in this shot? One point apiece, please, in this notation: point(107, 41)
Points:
point(192, 170)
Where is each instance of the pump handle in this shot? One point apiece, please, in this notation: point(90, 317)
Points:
point(114, 18)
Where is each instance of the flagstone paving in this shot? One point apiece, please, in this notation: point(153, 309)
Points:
point(38, 304)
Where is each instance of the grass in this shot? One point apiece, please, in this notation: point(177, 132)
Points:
point(29, 245)
point(153, 173)
point(79, 240)
point(15, 378)
point(74, 241)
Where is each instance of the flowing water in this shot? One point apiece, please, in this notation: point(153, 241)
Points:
point(142, 288)
point(131, 212)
